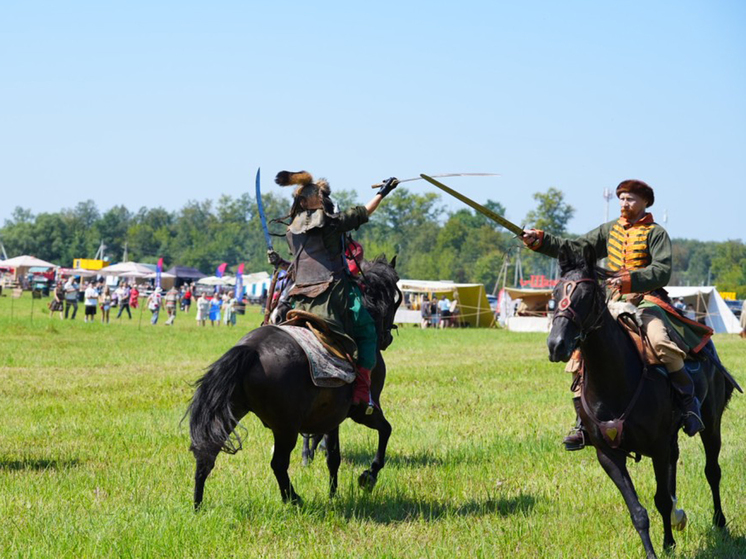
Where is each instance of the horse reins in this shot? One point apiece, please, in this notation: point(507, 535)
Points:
point(611, 430)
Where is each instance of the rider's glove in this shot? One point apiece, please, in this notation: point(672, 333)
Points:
point(273, 257)
point(388, 185)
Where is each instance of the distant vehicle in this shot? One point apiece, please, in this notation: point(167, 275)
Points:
point(493, 302)
point(735, 306)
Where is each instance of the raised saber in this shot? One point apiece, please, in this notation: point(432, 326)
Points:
point(380, 184)
point(509, 225)
point(268, 239)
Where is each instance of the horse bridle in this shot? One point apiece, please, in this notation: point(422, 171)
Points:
point(565, 309)
point(389, 319)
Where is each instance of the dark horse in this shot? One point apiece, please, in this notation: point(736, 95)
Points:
point(266, 373)
point(617, 385)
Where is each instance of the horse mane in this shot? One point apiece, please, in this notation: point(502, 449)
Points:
point(379, 280)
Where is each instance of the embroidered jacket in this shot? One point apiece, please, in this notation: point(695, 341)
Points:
point(640, 252)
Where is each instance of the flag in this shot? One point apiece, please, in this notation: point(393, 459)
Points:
point(219, 274)
point(158, 272)
point(239, 282)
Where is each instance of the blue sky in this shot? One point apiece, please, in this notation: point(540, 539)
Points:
point(156, 103)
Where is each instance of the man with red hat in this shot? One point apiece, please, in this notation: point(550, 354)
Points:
point(639, 253)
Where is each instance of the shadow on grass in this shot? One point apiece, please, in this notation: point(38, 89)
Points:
point(365, 458)
point(37, 464)
point(404, 509)
point(721, 545)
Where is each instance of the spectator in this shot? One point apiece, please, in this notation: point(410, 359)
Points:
point(71, 296)
point(679, 305)
point(743, 319)
point(123, 295)
point(203, 310)
point(134, 297)
point(91, 300)
point(154, 305)
point(434, 311)
point(454, 311)
point(56, 304)
point(186, 300)
point(104, 301)
point(172, 300)
point(215, 305)
point(226, 308)
point(444, 306)
point(425, 312)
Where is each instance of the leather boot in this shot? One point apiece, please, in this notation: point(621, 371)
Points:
point(577, 437)
point(687, 401)
point(361, 392)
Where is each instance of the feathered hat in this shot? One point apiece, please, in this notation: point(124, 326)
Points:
point(637, 187)
point(305, 185)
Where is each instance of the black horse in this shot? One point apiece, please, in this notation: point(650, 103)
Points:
point(266, 373)
point(617, 385)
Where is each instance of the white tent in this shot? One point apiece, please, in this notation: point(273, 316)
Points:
point(708, 303)
point(124, 268)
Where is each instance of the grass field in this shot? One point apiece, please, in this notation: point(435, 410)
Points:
point(94, 461)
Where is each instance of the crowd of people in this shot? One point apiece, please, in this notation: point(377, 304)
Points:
point(440, 313)
point(99, 298)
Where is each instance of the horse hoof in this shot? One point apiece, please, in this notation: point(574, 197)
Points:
point(678, 519)
point(367, 481)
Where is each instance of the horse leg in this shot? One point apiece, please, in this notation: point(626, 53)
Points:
point(284, 445)
point(333, 459)
point(377, 421)
point(205, 464)
point(663, 495)
point(615, 465)
point(678, 516)
point(712, 441)
point(308, 450)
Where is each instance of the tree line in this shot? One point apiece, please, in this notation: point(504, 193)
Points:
point(431, 243)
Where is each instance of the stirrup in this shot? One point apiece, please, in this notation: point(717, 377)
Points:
point(698, 428)
point(575, 439)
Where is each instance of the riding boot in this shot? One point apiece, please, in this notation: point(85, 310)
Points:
point(687, 401)
point(361, 392)
point(577, 437)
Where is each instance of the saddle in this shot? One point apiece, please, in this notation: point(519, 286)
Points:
point(328, 339)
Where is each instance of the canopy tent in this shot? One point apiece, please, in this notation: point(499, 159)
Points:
point(185, 272)
point(214, 280)
point(474, 308)
point(82, 272)
point(26, 261)
point(524, 310)
point(707, 304)
point(124, 268)
point(21, 264)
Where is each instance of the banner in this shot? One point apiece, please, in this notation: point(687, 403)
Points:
point(239, 283)
point(158, 272)
point(219, 271)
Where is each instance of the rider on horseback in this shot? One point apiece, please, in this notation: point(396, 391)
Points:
point(323, 285)
point(639, 254)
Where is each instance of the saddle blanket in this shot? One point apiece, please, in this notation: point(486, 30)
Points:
point(327, 370)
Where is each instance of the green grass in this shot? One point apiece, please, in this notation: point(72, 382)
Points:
point(94, 461)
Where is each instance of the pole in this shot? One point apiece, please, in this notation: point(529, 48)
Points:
point(139, 304)
point(270, 295)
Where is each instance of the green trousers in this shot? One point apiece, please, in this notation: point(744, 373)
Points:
point(341, 306)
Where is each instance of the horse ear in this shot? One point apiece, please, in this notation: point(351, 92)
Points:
point(565, 259)
point(589, 256)
point(393, 262)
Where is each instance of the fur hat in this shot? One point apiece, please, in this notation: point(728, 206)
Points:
point(636, 187)
point(304, 181)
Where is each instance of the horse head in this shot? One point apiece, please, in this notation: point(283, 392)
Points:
point(381, 296)
point(579, 302)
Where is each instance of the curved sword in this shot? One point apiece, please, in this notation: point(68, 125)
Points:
point(497, 218)
point(262, 215)
point(380, 184)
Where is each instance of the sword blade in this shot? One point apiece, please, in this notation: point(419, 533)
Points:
point(510, 226)
point(262, 216)
point(380, 184)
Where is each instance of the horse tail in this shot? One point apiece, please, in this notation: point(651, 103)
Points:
point(212, 423)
